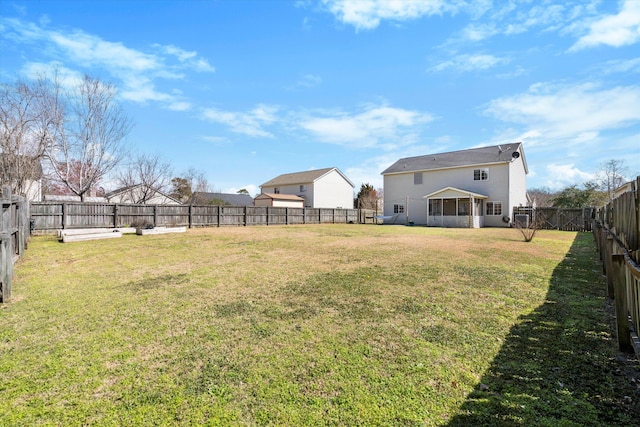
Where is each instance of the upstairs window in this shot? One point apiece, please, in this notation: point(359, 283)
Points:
point(303, 188)
point(398, 209)
point(276, 190)
point(417, 178)
point(480, 174)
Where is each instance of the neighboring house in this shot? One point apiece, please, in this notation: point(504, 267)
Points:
point(221, 199)
point(279, 200)
point(624, 188)
point(478, 187)
point(24, 174)
point(321, 188)
point(74, 198)
point(140, 194)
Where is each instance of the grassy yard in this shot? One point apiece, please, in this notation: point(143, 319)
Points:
point(313, 325)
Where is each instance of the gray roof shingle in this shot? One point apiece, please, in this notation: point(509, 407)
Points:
point(472, 156)
point(229, 198)
point(301, 177)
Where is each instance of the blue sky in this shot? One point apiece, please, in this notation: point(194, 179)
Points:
point(248, 90)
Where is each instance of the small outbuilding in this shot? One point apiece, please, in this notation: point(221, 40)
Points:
point(279, 200)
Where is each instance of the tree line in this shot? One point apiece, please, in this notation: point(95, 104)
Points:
point(595, 192)
point(71, 136)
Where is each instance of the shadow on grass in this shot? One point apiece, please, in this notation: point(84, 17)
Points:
point(558, 365)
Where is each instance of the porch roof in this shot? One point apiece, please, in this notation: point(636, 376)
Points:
point(452, 192)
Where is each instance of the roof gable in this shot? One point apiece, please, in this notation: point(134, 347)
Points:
point(305, 177)
point(448, 192)
point(453, 159)
point(124, 190)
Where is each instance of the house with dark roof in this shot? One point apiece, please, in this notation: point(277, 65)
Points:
point(220, 199)
point(478, 187)
point(320, 188)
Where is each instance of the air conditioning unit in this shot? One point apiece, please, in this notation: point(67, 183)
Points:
point(522, 220)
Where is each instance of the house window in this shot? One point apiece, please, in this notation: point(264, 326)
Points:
point(435, 207)
point(494, 208)
point(303, 188)
point(463, 207)
point(276, 190)
point(398, 209)
point(480, 174)
point(417, 178)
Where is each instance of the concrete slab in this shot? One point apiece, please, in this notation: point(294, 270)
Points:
point(91, 236)
point(160, 230)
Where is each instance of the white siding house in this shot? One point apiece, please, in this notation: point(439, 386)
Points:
point(472, 188)
point(321, 188)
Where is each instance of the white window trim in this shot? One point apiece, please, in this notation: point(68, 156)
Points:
point(493, 204)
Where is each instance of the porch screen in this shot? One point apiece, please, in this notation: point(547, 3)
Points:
point(435, 207)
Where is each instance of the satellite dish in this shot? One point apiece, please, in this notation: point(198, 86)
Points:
point(515, 154)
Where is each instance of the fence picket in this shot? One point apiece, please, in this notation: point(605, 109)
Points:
point(616, 229)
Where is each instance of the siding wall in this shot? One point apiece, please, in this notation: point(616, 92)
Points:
point(398, 187)
point(332, 191)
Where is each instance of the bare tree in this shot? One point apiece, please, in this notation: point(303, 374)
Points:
point(88, 144)
point(611, 176)
point(529, 228)
point(26, 126)
point(143, 177)
point(197, 180)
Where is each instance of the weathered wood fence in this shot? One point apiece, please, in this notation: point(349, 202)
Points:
point(14, 236)
point(49, 216)
point(617, 234)
point(574, 219)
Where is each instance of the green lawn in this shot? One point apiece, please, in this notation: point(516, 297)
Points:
point(312, 325)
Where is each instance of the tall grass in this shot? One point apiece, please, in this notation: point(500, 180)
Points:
point(296, 325)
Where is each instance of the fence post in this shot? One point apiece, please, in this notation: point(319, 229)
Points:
point(115, 215)
point(608, 264)
point(6, 250)
point(621, 305)
point(190, 216)
point(63, 220)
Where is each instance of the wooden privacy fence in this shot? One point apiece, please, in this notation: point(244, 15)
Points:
point(14, 235)
point(574, 219)
point(617, 234)
point(49, 216)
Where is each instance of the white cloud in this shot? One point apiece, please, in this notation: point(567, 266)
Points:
point(574, 113)
point(376, 126)
point(249, 123)
point(613, 30)
point(467, 63)
point(306, 81)
point(622, 66)
point(367, 14)
point(560, 175)
point(136, 70)
point(253, 189)
point(179, 106)
point(512, 18)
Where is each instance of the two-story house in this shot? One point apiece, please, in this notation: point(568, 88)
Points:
point(320, 188)
point(473, 188)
